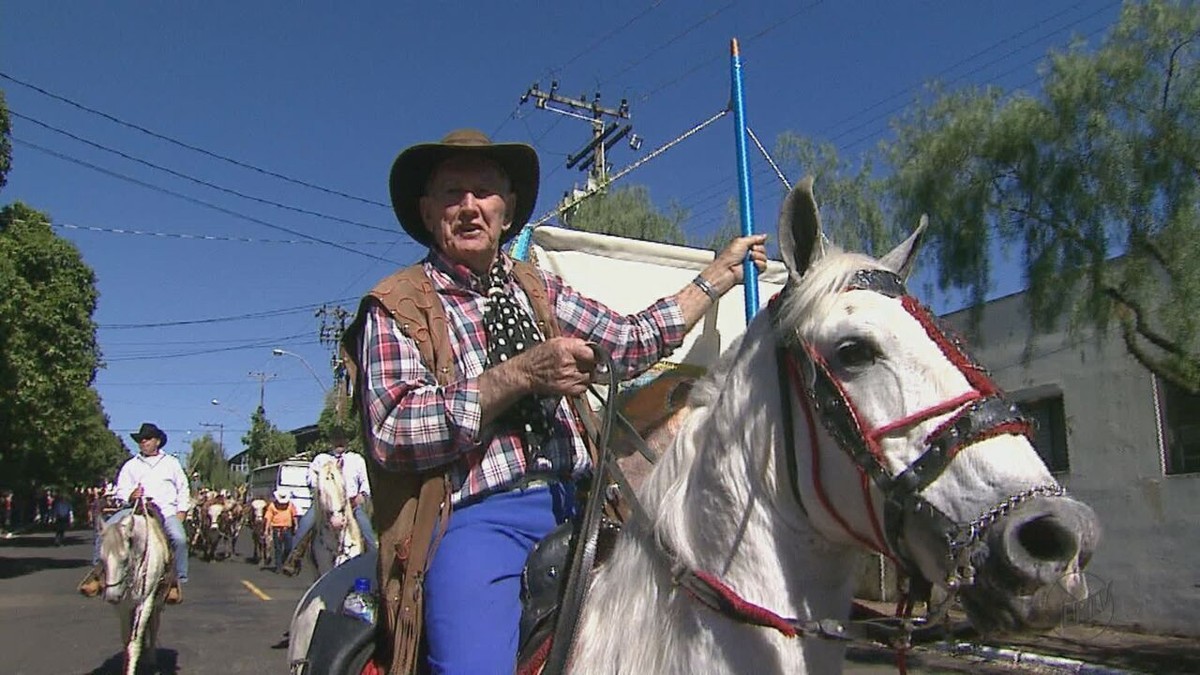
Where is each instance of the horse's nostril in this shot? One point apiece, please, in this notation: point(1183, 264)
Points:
point(1046, 539)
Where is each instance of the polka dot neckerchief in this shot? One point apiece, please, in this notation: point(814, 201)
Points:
point(511, 331)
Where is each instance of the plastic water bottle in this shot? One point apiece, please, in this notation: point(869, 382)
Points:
point(360, 603)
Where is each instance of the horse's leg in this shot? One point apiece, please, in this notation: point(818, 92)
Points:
point(133, 648)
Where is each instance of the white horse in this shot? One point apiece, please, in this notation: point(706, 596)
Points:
point(337, 536)
point(883, 435)
point(136, 557)
point(842, 420)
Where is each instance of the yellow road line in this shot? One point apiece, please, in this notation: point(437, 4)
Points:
point(255, 590)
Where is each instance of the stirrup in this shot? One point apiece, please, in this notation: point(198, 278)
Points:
point(174, 593)
point(291, 566)
point(91, 584)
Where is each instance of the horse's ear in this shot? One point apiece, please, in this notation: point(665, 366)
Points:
point(801, 241)
point(900, 259)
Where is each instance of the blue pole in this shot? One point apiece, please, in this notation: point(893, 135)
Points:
point(519, 249)
point(745, 200)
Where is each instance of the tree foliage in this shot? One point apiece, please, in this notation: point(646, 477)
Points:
point(265, 443)
point(1104, 163)
point(207, 465)
point(853, 202)
point(52, 426)
point(627, 211)
point(340, 415)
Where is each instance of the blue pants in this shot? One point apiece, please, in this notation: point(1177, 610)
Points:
point(282, 543)
point(360, 516)
point(472, 590)
point(174, 532)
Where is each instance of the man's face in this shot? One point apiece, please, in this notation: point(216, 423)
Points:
point(149, 446)
point(466, 208)
point(338, 449)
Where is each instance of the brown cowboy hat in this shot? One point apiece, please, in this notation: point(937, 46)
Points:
point(412, 167)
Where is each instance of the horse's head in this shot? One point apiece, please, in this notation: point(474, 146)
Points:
point(916, 453)
point(116, 545)
point(331, 494)
point(214, 510)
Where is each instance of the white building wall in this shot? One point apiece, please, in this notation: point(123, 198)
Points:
point(1150, 550)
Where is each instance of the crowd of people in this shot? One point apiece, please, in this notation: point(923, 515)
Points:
point(56, 508)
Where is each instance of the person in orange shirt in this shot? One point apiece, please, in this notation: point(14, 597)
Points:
point(281, 518)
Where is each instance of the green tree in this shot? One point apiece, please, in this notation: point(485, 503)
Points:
point(265, 443)
point(52, 427)
point(854, 204)
point(627, 211)
point(340, 415)
point(1105, 161)
point(208, 464)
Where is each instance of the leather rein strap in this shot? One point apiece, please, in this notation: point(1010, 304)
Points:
point(585, 538)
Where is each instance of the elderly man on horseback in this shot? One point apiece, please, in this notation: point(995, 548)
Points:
point(492, 419)
point(353, 469)
point(158, 477)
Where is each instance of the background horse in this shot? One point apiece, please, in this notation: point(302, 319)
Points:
point(843, 419)
point(337, 537)
point(136, 557)
point(212, 520)
point(255, 515)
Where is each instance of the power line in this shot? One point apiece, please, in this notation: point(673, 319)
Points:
point(993, 62)
point(721, 54)
point(717, 185)
point(188, 146)
point(552, 72)
point(197, 181)
point(205, 237)
point(667, 43)
point(223, 319)
point(215, 350)
point(1037, 24)
point(194, 200)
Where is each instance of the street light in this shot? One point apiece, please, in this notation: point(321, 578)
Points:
point(284, 352)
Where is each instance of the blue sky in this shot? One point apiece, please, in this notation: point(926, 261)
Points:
point(327, 93)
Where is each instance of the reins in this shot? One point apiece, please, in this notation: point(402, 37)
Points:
point(140, 562)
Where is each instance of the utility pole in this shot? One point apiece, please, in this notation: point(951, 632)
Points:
point(262, 385)
point(605, 134)
point(220, 433)
point(333, 326)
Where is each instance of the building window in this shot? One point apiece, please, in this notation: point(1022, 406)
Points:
point(1050, 430)
point(1179, 422)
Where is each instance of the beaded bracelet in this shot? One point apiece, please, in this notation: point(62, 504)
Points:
point(708, 289)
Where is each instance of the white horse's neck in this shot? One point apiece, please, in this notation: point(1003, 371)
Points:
point(722, 500)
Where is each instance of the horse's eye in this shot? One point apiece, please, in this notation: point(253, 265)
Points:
point(856, 353)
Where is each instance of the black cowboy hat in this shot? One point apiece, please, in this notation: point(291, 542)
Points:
point(149, 430)
point(412, 168)
point(338, 437)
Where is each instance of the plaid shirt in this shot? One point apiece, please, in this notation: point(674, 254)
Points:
point(418, 425)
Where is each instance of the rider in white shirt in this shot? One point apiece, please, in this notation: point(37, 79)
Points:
point(160, 478)
point(354, 477)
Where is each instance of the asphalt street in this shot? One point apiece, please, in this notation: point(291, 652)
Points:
point(232, 620)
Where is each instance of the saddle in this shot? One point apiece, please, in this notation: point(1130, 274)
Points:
point(542, 583)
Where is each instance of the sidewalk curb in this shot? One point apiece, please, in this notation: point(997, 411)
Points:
point(1018, 657)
